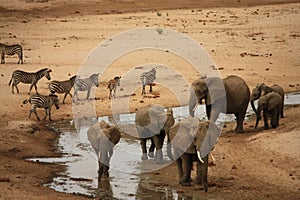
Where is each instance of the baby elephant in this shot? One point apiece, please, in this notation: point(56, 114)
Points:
point(192, 141)
point(103, 138)
point(271, 105)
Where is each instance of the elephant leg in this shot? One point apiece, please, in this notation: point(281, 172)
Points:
point(239, 122)
point(265, 116)
point(144, 150)
point(151, 149)
point(208, 110)
point(202, 168)
point(187, 164)
point(179, 168)
point(158, 145)
point(275, 118)
point(100, 170)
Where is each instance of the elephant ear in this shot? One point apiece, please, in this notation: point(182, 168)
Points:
point(182, 134)
point(158, 118)
point(274, 100)
point(216, 89)
point(211, 138)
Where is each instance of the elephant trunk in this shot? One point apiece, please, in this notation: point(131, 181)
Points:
point(169, 149)
point(258, 117)
point(253, 106)
point(192, 103)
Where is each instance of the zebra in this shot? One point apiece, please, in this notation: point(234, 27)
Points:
point(62, 87)
point(112, 86)
point(32, 78)
point(11, 50)
point(42, 101)
point(85, 85)
point(147, 78)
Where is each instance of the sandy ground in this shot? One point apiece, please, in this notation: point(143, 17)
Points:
point(257, 41)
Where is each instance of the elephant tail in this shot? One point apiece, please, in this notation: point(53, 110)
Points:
point(169, 149)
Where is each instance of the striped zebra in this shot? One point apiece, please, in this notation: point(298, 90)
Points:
point(112, 86)
point(85, 85)
point(62, 87)
point(147, 78)
point(41, 101)
point(32, 78)
point(11, 50)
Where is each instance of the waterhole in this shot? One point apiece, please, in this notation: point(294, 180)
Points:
point(124, 180)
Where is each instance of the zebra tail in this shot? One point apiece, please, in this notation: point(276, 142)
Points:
point(10, 81)
point(25, 101)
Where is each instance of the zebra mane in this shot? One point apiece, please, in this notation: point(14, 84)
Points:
point(45, 69)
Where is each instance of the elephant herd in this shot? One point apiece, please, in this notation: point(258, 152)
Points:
point(191, 140)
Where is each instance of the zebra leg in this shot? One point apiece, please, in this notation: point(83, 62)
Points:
point(150, 88)
point(35, 87)
point(75, 94)
point(15, 85)
point(115, 91)
point(30, 88)
point(65, 97)
point(49, 113)
point(143, 91)
point(34, 111)
point(88, 94)
point(20, 58)
point(2, 58)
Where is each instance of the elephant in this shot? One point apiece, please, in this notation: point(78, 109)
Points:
point(152, 122)
point(262, 89)
point(192, 141)
point(103, 138)
point(270, 104)
point(229, 95)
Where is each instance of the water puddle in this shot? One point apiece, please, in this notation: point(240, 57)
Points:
point(124, 183)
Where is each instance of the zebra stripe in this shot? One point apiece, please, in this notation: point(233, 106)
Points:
point(41, 101)
point(11, 50)
point(20, 76)
point(62, 87)
point(112, 86)
point(147, 78)
point(85, 85)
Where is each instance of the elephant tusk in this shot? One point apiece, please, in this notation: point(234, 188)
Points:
point(99, 155)
point(199, 156)
point(195, 107)
point(213, 158)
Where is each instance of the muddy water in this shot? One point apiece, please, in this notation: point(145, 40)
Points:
point(126, 165)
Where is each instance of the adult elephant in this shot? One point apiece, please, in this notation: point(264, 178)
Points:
point(103, 138)
point(270, 104)
point(262, 89)
point(193, 140)
point(229, 95)
point(152, 122)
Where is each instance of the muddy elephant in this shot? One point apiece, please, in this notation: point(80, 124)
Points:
point(103, 138)
point(262, 89)
point(192, 141)
point(153, 122)
point(270, 104)
point(229, 95)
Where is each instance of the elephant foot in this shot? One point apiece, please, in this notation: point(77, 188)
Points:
point(144, 156)
point(151, 154)
point(185, 183)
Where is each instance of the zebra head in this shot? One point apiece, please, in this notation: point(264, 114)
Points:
point(55, 100)
point(94, 79)
point(117, 79)
point(46, 73)
point(73, 79)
